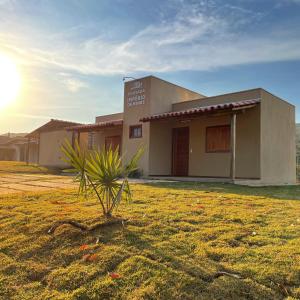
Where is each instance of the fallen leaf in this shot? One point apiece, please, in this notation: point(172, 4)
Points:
point(114, 275)
point(93, 257)
point(200, 206)
point(84, 247)
point(85, 257)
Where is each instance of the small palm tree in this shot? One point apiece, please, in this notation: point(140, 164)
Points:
point(101, 173)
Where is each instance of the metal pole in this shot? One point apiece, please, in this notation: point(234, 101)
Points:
point(233, 146)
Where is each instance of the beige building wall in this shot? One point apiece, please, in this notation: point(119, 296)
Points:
point(83, 140)
point(112, 117)
point(33, 154)
point(278, 148)
point(208, 164)
point(49, 147)
point(158, 96)
point(248, 137)
point(226, 98)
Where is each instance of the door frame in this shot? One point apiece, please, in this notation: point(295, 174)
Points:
point(173, 151)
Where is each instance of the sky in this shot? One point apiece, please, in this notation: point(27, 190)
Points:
point(73, 54)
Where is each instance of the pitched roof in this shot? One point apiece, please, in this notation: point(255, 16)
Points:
point(201, 110)
point(95, 126)
point(52, 125)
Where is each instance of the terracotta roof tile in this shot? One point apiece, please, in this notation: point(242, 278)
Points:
point(52, 125)
point(200, 110)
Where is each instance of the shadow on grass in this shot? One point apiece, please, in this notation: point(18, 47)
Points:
point(276, 192)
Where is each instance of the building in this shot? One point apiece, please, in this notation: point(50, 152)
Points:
point(15, 147)
point(246, 137)
point(49, 139)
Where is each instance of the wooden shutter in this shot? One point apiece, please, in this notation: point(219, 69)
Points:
point(218, 139)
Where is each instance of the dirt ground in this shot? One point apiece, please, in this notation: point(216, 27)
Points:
point(12, 182)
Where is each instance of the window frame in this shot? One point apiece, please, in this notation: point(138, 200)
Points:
point(206, 139)
point(131, 131)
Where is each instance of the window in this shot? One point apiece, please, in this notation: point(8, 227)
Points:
point(135, 131)
point(91, 140)
point(218, 139)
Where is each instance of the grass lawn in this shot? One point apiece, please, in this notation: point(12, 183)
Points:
point(178, 237)
point(22, 167)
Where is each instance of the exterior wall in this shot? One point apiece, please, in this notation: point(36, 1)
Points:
point(33, 153)
point(165, 94)
point(209, 164)
point(159, 95)
point(112, 117)
point(101, 135)
point(83, 140)
point(8, 153)
point(49, 147)
point(248, 137)
point(132, 114)
point(232, 97)
point(200, 162)
point(278, 148)
point(160, 149)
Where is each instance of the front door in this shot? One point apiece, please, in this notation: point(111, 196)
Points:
point(181, 140)
point(113, 142)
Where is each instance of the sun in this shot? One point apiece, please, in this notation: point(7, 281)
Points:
point(10, 81)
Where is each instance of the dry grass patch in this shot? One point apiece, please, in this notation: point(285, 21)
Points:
point(178, 238)
point(24, 168)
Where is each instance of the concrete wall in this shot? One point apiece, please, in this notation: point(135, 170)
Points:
point(278, 148)
point(112, 117)
point(33, 153)
point(160, 149)
point(208, 164)
point(248, 132)
point(83, 140)
point(8, 153)
point(49, 148)
point(226, 98)
point(132, 114)
point(159, 95)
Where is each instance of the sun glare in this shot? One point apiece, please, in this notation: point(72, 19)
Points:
point(10, 81)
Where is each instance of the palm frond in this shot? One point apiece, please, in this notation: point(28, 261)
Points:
point(100, 172)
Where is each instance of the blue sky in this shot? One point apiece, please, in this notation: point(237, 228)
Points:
point(72, 54)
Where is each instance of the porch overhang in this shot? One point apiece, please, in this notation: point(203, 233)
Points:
point(96, 126)
point(203, 110)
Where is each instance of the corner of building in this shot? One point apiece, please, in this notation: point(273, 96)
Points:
point(278, 147)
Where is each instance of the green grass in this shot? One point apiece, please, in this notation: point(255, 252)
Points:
point(178, 237)
point(24, 168)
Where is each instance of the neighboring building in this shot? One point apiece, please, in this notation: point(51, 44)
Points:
point(247, 136)
point(15, 147)
point(49, 138)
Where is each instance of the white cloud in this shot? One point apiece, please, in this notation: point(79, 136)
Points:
point(192, 40)
point(73, 84)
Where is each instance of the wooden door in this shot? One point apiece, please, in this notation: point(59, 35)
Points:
point(181, 140)
point(113, 142)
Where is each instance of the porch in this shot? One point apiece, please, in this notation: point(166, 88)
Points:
point(219, 143)
point(98, 135)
